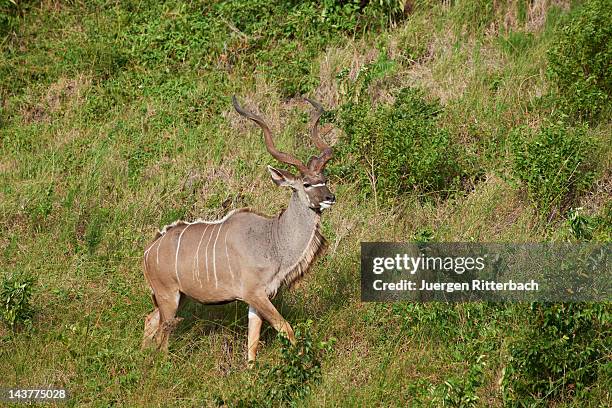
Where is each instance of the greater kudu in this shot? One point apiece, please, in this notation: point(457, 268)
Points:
point(244, 256)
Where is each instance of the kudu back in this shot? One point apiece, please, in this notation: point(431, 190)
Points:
point(244, 256)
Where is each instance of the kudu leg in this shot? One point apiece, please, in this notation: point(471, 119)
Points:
point(266, 309)
point(254, 332)
point(150, 328)
point(168, 305)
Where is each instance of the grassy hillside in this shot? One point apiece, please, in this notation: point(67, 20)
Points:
point(115, 119)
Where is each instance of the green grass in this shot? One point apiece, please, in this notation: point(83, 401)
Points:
point(115, 118)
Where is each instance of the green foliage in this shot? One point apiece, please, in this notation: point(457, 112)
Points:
point(294, 376)
point(590, 227)
point(460, 392)
point(468, 333)
point(474, 15)
point(8, 16)
point(299, 370)
point(579, 61)
point(424, 235)
point(580, 225)
point(556, 165)
point(280, 38)
point(15, 296)
point(172, 34)
point(356, 90)
point(561, 352)
point(289, 40)
point(398, 148)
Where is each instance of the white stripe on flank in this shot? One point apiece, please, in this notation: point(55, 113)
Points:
point(229, 264)
point(178, 247)
point(146, 253)
point(206, 258)
point(144, 271)
point(197, 268)
point(215, 255)
point(157, 251)
point(146, 258)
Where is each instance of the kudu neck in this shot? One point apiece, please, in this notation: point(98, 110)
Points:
point(296, 241)
point(294, 231)
point(298, 218)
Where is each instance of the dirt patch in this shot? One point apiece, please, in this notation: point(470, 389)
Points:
point(7, 165)
point(65, 94)
point(65, 90)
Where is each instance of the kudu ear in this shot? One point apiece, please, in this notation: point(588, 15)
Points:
point(281, 177)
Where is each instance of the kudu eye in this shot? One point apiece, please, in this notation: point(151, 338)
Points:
point(306, 185)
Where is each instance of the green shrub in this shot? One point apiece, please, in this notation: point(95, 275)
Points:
point(15, 295)
point(280, 38)
point(299, 370)
point(580, 225)
point(560, 353)
point(292, 37)
point(8, 12)
point(579, 60)
point(590, 227)
point(292, 379)
point(461, 392)
point(555, 165)
point(394, 149)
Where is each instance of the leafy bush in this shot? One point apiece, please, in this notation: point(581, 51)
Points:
point(555, 165)
point(281, 38)
point(289, 40)
point(581, 226)
point(461, 392)
point(579, 60)
point(9, 10)
point(585, 227)
point(397, 148)
point(15, 295)
point(293, 377)
point(300, 367)
point(560, 353)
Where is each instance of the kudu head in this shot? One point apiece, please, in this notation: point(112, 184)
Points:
point(310, 184)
